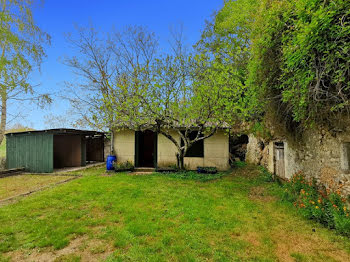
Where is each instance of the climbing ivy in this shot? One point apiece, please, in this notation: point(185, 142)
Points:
point(298, 55)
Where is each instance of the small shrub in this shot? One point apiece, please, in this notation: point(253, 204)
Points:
point(267, 176)
point(126, 166)
point(207, 170)
point(315, 202)
point(168, 169)
point(239, 164)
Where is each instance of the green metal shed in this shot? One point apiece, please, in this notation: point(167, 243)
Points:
point(45, 150)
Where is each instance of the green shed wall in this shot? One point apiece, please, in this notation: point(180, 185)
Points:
point(32, 151)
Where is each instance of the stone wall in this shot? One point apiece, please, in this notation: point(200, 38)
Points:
point(319, 154)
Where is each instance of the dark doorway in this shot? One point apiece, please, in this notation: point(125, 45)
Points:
point(67, 151)
point(94, 149)
point(145, 149)
point(238, 148)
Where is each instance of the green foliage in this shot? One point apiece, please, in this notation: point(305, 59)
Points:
point(122, 166)
point(266, 175)
point(260, 130)
point(239, 164)
point(21, 44)
point(224, 47)
point(315, 79)
point(21, 51)
point(297, 56)
point(207, 169)
point(326, 207)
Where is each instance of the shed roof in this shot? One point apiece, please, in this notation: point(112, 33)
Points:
point(60, 131)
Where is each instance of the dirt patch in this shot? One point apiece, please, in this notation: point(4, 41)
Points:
point(252, 238)
point(310, 244)
point(259, 194)
point(81, 248)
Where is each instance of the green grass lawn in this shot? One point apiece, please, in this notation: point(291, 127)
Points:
point(159, 217)
point(15, 185)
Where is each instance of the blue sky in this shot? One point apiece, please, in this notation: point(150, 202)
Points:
point(58, 17)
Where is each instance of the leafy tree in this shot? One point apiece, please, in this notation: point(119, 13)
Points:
point(225, 47)
point(21, 50)
point(137, 87)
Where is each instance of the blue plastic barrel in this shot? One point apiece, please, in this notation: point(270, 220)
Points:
point(110, 160)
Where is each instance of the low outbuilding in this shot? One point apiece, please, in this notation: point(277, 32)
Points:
point(151, 149)
point(42, 151)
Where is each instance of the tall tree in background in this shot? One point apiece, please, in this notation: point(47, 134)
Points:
point(101, 61)
point(226, 53)
point(21, 51)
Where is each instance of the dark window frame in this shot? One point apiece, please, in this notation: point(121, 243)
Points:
point(197, 149)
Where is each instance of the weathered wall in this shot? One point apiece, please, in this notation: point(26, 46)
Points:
point(254, 153)
point(216, 151)
point(124, 145)
point(319, 154)
point(325, 158)
point(167, 150)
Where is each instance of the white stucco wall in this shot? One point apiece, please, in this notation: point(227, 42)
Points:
point(124, 145)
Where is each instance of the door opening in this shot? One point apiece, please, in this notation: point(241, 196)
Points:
point(145, 149)
point(279, 159)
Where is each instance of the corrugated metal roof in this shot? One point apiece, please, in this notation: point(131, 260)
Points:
point(60, 131)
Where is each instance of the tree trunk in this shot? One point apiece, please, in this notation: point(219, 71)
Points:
point(180, 160)
point(3, 116)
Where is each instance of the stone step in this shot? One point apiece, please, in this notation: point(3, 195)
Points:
point(141, 173)
point(144, 169)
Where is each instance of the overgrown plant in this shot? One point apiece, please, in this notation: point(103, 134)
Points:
point(315, 202)
point(297, 56)
point(123, 166)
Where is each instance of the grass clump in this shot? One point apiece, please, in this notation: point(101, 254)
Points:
point(266, 175)
point(239, 164)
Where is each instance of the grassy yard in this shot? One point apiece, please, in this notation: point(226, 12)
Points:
point(237, 217)
point(15, 185)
